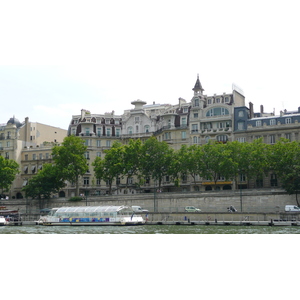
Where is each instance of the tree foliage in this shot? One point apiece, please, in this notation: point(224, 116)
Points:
point(111, 166)
point(8, 171)
point(70, 160)
point(44, 183)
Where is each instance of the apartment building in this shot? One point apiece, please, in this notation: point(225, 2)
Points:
point(29, 144)
point(218, 117)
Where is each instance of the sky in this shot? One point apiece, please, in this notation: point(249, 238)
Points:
point(58, 57)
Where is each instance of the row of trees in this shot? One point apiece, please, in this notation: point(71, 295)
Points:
point(154, 159)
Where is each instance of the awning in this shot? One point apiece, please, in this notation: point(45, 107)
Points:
point(218, 182)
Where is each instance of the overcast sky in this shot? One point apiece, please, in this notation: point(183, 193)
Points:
point(60, 57)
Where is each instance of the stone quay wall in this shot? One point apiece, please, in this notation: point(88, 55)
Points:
point(251, 201)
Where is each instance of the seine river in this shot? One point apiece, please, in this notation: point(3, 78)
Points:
point(150, 229)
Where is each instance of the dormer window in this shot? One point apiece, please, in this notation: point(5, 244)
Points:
point(107, 121)
point(185, 109)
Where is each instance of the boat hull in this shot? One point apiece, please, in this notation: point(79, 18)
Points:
point(92, 223)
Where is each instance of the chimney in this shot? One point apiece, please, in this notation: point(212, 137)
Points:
point(251, 110)
point(261, 109)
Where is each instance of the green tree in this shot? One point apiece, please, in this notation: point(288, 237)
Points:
point(217, 162)
point(132, 159)
point(111, 166)
point(285, 162)
point(8, 171)
point(44, 183)
point(156, 159)
point(70, 159)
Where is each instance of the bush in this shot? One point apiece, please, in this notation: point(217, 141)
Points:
point(74, 199)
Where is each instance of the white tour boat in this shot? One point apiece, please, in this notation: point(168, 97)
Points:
point(91, 215)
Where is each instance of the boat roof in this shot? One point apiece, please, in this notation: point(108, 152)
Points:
point(91, 208)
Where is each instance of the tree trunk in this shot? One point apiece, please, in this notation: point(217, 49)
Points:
point(297, 198)
point(77, 187)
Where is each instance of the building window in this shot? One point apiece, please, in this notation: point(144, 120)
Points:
point(129, 130)
point(41, 156)
point(241, 125)
point(196, 102)
point(207, 138)
point(195, 140)
point(183, 121)
point(117, 122)
point(87, 155)
point(218, 100)
point(118, 132)
point(47, 155)
point(194, 127)
point(146, 128)
point(288, 120)
point(273, 180)
point(26, 156)
point(241, 139)
point(107, 143)
point(241, 113)
point(137, 129)
point(222, 138)
point(217, 111)
point(108, 131)
point(272, 139)
point(86, 180)
point(288, 136)
point(98, 154)
point(258, 123)
point(137, 119)
point(272, 122)
point(185, 109)
point(209, 101)
point(195, 115)
point(98, 142)
point(167, 135)
point(183, 135)
point(99, 129)
point(34, 156)
point(226, 99)
point(107, 121)
point(87, 131)
point(98, 181)
point(242, 177)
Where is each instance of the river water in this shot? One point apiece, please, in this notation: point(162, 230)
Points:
point(150, 229)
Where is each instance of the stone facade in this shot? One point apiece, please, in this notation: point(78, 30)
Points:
point(29, 144)
point(219, 117)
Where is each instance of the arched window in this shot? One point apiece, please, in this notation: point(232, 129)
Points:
point(146, 128)
point(129, 130)
point(217, 111)
point(207, 138)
